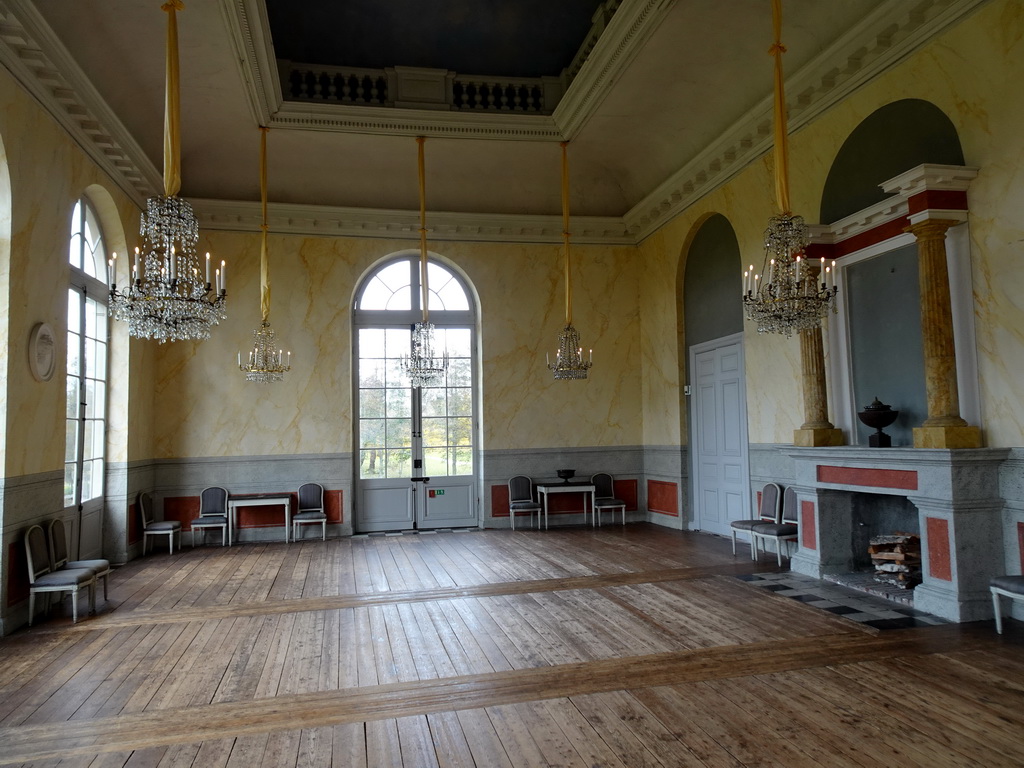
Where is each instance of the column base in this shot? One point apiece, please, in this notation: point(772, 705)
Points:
point(815, 438)
point(947, 437)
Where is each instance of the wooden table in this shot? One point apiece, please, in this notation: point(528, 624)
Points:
point(547, 488)
point(260, 500)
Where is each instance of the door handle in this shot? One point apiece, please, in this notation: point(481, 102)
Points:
point(420, 479)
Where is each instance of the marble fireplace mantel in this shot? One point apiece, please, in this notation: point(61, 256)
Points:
point(956, 493)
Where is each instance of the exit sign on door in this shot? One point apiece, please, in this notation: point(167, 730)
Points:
point(436, 492)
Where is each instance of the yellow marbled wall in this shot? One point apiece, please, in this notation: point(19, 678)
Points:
point(971, 73)
point(204, 407)
point(48, 173)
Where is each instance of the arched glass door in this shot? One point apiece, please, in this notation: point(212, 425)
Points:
point(403, 432)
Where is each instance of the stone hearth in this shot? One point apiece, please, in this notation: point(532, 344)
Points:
point(955, 493)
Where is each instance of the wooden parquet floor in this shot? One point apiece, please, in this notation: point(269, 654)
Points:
point(621, 647)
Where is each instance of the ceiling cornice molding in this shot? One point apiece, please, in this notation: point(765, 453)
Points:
point(394, 121)
point(42, 65)
point(631, 26)
point(869, 49)
point(249, 27)
point(284, 218)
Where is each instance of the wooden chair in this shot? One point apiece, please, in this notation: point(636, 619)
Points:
point(1005, 586)
point(42, 577)
point(769, 511)
point(520, 499)
point(213, 513)
point(59, 555)
point(151, 527)
point(310, 510)
point(784, 531)
point(604, 497)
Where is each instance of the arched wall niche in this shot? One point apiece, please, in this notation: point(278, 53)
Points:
point(712, 282)
point(892, 139)
point(880, 327)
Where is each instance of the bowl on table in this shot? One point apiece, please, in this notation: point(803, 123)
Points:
point(566, 474)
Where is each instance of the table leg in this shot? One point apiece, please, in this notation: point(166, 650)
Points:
point(287, 522)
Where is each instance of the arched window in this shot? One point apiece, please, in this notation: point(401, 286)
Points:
point(84, 460)
point(415, 447)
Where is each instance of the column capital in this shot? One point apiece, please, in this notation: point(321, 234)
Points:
point(931, 229)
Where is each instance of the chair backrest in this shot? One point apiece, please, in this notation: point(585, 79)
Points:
point(789, 507)
point(311, 497)
point(771, 502)
point(604, 486)
point(146, 509)
point(520, 488)
point(213, 501)
point(58, 544)
point(37, 552)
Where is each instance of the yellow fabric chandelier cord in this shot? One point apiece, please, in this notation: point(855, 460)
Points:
point(423, 227)
point(781, 132)
point(565, 232)
point(264, 250)
point(172, 109)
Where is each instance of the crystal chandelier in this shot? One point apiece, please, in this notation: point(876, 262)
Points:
point(423, 367)
point(168, 297)
point(266, 363)
point(795, 295)
point(569, 363)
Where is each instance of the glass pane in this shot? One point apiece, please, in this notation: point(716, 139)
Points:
point(460, 431)
point(435, 462)
point(95, 448)
point(445, 290)
point(460, 402)
point(75, 250)
point(371, 463)
point(397, 341)
point(371, 403)
point(90, 356)
point(95, 261)
point(71, 440)
point(393, 375)
point(90, 398)
point(74, 352)
point(71, 410)
point(93, 477)
point(69, 484)
point(399, 463)
point(90, 428)
point(433, 400)
point(371, 433)
point(371, 342)
point(96, 366)
point(95, 320)
point(459, 372)
point(399, 403)
point(87, 485)
point(74, 311)
point(458, 342)
point(435, 432)
point(388, 289)
point(399, 433)
point(371, 373)
point(462, 460)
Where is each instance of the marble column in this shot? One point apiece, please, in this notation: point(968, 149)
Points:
point(816, 430)
point(944, 428)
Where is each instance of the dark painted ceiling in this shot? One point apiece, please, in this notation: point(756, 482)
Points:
point(504, 38)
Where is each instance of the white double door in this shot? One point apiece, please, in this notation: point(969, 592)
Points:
point(719, 416)
point(416, 448)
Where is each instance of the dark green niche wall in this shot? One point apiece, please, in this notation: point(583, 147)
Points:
point(712, 283)
point(891, 140)
point(885, 340)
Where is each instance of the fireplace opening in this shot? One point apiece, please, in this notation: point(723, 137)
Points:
point(885, 520)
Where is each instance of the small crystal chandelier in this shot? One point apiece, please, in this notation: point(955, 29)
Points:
point(266, 363)
point(167, 297)
point(797, 294)
point(421, 365)
point(569, 362)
